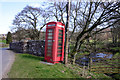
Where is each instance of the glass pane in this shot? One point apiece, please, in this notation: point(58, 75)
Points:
point(60, 34)
point(59, 47)
point(59, 37)
point(50, 37)
point(60, 31)
point(60, 41)
point(60, 44)
point(49, 47)
point(49, 44)
point(50, 30)
point(49, 54)
point(60, 51)
point(49, 40)
point(50, 33)
point(59, 55)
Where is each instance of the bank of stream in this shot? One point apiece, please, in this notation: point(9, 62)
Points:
point(85, 60)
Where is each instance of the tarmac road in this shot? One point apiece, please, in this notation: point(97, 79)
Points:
point(6, 59)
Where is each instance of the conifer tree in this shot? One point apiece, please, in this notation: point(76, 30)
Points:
point(9, 38)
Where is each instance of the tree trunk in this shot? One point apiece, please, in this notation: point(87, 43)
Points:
point(40, 35)
point(66, 32)
point(74, 58)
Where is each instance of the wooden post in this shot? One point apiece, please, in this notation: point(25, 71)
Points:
point(88, 66)
point(66, 32)
point(91, 63)
point(83, 71)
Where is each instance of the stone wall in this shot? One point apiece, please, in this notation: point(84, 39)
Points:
point(31, 47)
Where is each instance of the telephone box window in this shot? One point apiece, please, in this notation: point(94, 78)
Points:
point(60, 41)
point(59, 55)
point(60, 44)
point(60, 31)
point(50, 30)
point(49, 40)
point(49, 55)
point(49, 33)
point(59, 47)
point(49, 44)
point(49, 47)
point(60, 38)
point(60, 51)
point(50, 37)
point(60, 34)
point(49, 51)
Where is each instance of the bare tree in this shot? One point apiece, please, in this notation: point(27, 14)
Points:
point(31, 18)
point(20, 34)
point(90, 15)
point(115, 31)
point(57, 11)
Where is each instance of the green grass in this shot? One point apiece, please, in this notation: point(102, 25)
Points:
point(3, 41)
point(3, 45)
point(117, 76)
point(117, 55)
point(115, 48)
point(97, 76)
point(29, 66)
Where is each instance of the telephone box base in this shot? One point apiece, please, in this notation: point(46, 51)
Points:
point(54, 62)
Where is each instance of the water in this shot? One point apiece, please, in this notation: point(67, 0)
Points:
point(101, 55)
point(85, 59)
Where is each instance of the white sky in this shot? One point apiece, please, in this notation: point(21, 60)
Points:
point(10, 8)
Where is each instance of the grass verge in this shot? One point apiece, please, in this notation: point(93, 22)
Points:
point(29, 66)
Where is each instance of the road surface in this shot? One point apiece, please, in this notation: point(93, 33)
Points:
point(6, 59)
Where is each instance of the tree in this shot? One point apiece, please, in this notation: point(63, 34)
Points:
point(57, 11)
point(91, 15)
point(9, 38)
point(115, 31)
point(20, 34)
point(30, 18)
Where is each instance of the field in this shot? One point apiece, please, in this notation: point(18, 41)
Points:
point(3, 41)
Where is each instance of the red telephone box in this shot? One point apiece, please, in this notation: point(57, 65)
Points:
point(54, 42)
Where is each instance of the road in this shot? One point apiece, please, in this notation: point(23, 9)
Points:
point(6, 59)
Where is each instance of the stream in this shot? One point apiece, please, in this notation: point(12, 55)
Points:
point(86, 59)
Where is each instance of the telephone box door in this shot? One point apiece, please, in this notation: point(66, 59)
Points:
point(49, 43)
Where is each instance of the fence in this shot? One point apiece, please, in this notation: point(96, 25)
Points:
point(105, 65)
point(100, 65)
